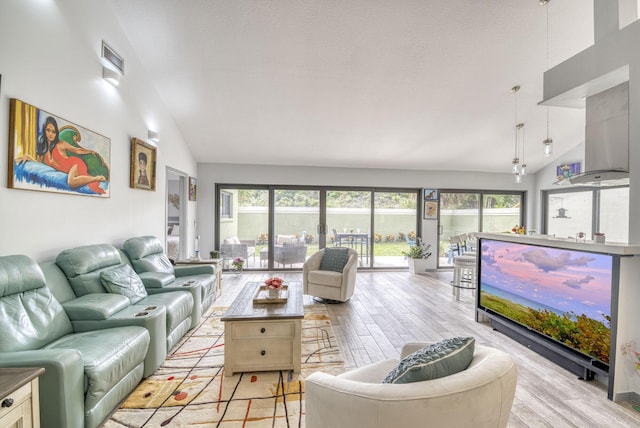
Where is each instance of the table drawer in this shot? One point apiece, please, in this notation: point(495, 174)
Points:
point(262, 330)
point(264, 353)
point(19, 396)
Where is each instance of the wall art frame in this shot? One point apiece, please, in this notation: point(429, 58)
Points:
point(143, 165)
point(48, 153)
point(192, 188)
point(430, 195)
point(431, 210)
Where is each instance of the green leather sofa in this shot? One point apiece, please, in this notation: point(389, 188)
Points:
point(87, 373)
point(97, 311)
point(84, 266)
point(146, 255)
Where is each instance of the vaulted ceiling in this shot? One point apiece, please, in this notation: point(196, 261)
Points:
point(407, 84)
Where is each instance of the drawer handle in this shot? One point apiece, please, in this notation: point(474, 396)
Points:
point(262, 330)
point(8, 402)
point(263, 352)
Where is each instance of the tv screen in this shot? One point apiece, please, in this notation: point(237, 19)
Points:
point(562, 294)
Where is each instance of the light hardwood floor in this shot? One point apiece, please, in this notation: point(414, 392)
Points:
point(391, 308)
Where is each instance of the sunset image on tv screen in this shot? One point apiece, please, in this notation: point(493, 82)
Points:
point(561, 293)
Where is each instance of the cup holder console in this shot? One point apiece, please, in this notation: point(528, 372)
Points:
point(150, 308)
point(141, 314)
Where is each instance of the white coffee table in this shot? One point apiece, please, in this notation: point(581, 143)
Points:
point(263, 336)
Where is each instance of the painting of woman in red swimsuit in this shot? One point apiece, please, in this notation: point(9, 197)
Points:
point(52, 154)
point(55, 153)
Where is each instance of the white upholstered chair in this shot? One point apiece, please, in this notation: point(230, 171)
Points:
point(480, 396)
point(326, 284)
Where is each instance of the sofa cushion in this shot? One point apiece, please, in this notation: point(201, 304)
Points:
point(108, 355)
point(281, 239)
point(334, 259)
point(326, 277)
point(123, 280)
point(19, 273)
point(434, 361)
point(147, 255)
point(82, 266)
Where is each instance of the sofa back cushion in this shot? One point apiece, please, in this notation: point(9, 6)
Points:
point(29, 314)
point(281, 239)
point(123, 280)
point(82, 266)
point(146, 254)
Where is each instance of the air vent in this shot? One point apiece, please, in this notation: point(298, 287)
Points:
point(112, 57)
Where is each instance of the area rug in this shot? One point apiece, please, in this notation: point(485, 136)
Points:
point(190, 389)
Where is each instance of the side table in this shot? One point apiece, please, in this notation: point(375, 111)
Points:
point(216, 262)
point(20, 397)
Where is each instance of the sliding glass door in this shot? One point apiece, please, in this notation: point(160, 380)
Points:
point(277, 227)
point(464, 212)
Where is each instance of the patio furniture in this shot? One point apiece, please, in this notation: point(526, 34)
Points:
point(289, 254)
point(233, 247)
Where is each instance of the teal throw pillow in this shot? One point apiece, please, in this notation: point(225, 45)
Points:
point(334, 258)
point(123, 280)
point(434, 361)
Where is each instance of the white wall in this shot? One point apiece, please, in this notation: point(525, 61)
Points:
point(50, 58)
point(210, 174)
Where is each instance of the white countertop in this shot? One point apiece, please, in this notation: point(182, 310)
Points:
point(568, 243)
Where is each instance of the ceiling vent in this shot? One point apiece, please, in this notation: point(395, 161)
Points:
point(112, 57)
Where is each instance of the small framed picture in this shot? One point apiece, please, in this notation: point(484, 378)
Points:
point(430, 195)
point(192, 188)
point(143, 165)
point(431, 210)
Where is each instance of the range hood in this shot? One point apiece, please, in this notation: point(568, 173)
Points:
point(606, 139)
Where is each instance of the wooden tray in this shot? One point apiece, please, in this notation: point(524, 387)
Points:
point(262, 295)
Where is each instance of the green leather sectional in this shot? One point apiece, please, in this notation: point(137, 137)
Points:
point(95, 345)
point(146, 255)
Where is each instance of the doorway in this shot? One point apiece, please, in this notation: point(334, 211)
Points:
point(175, 214)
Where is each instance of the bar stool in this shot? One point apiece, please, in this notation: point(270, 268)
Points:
point(464, 274)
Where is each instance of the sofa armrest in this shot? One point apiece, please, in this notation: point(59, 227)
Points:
point(156, 279)
point(61, 386)
point(182, 271)
point(95, 306)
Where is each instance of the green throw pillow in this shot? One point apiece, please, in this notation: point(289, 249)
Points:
point(434, 361)
point(334, 259)
point(123, 280)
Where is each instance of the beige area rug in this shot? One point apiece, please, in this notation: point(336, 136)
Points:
point(190, 389)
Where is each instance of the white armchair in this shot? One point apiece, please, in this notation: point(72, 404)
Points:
point(326, 284)
point(480, 396)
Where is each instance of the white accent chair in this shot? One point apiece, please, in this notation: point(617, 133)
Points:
point(326, 284)
point(480, 396)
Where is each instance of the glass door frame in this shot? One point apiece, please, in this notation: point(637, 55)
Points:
point(481, 194)
point(321, 231)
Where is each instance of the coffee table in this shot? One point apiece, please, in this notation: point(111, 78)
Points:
point(263, 336)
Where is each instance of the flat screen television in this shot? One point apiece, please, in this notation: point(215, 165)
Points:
point(563, 295)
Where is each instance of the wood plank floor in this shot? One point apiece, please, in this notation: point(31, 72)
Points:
point(391, 308)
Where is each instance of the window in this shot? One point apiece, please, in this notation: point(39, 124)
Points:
point(588, 210)
point(226, 201)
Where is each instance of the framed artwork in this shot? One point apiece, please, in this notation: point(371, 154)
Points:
point(567, 170)
point(50, 154)
point(430, 195)
point(143, 165)
point(192, 188)
point(431, 210)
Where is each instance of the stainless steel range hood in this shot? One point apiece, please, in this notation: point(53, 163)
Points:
point(606, 139)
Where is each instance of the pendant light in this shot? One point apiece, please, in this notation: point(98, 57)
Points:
point(548, 142)
point(515, 163)
point(523, 166)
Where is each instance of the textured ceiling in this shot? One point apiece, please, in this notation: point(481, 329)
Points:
point(408, 84)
